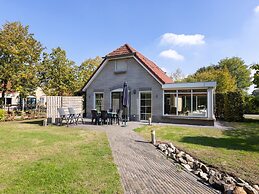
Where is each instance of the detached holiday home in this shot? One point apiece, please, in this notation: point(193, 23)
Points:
point(152, 94)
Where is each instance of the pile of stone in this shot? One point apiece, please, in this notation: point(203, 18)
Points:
point(218, 180)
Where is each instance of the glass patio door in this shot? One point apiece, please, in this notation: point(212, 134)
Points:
point(116, 101)
point(145, 105)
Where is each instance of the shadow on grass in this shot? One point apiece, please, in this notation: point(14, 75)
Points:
point(33, 122)
point(244, 137)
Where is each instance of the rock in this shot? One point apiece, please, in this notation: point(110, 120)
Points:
point(228, 188)
point(189, 158)
point(190, 164)
point(239, 190)
point(177, 151)
point(217, 184)
point(170, 145)
point(187, 167)
point(229, 179)
point(204, 168)
point(197, 172)
point(170, 150)
point(250, 190)
point(256, 187)
point(162, 146)
point(183, 161)
point(204, 176)
point(166, 152)
point(173, 156)
point(180, 154)
point(212, 172)
point(196, 164)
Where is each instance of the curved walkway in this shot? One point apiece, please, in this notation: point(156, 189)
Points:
point(143, 169)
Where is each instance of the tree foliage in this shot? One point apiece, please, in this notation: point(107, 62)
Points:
point(19, 55)
point(57, 74)
point(86, 69)
point(225, 82)
point(256, 75)
point(239, 70)
point(230, 74)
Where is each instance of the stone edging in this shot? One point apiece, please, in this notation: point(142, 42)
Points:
point(218, 180)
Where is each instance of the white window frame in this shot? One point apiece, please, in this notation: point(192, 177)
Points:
point(95, 98)
point(140, 92)
point(192, 93)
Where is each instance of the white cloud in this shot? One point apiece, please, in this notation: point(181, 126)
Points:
point(182, 39)
point(171, 54)
point(256, 9)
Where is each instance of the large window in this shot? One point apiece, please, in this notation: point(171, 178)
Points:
point(99, 101)
point(191, 103)
point(145, 105)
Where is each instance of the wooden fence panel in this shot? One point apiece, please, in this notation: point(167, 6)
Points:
point(55, 102)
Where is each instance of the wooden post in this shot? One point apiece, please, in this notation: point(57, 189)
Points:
point(153, 136)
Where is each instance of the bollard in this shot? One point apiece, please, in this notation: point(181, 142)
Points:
point(45, 122)
point(153, 136)
point(149, 120)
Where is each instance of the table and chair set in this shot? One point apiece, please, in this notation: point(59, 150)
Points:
point(70, 116)
point(106, 117)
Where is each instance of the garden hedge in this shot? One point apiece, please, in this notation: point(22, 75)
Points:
point(230, 106)
point(2, 114)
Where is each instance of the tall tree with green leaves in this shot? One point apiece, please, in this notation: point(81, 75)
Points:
point(256, 75)
point(239, 70)
point(57, 74)
point(225, 81)
point(86, 69)
point(19, 55)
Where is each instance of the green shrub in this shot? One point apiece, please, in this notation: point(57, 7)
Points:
point(230, 106)
point(2, 114)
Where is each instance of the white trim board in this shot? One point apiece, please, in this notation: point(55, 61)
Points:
point(190, 85)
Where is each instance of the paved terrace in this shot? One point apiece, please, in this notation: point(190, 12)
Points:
point(143, 169)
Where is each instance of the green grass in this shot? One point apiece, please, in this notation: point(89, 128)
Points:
point(235, 151)
point(36, 159)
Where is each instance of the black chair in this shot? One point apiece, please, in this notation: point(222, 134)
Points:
point(95, 117)
point(119, 116)
point(104, 116)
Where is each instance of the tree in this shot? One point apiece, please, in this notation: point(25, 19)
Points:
point(177, 76)
point(57, 74)
point(256, 75)
point(225, 82)
point(86, 69)
point(239, 70)
point(19, 54)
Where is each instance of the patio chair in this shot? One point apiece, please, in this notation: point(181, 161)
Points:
point(104, 117)
point(95, 117)
point(63, 116)
point(119, 116)
point(75, 116)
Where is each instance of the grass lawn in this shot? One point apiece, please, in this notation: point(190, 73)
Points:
point(235, 151)
point(36, 159)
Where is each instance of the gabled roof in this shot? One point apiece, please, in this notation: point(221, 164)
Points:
point(127, 50)
point(150, 65)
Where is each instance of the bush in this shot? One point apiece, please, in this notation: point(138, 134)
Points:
point(2, 114)
point(230, 106)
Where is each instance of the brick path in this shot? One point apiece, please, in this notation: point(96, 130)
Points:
point(143, 169)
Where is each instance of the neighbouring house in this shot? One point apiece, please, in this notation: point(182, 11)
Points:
point(152, 94)
point(12, 99)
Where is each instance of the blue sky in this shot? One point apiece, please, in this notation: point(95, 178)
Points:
point(175, 34)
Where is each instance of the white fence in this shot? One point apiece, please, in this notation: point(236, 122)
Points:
point(55, 102)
